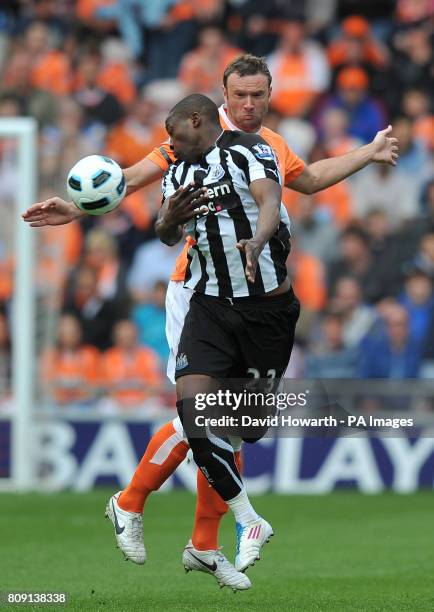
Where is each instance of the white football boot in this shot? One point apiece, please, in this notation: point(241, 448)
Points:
point(250, 539)
point(128, 530)
point(215, 563)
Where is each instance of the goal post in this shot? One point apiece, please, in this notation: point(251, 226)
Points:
point(24, 130)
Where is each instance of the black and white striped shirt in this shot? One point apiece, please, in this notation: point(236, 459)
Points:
point(216, 267)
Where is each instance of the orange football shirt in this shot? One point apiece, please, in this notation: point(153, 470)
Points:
point(290, 166)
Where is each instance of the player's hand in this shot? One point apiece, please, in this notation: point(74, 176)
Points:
point(386, 148)
point(252, 250)
point(183, 205)
point(53, 211)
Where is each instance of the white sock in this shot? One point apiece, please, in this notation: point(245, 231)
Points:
point(242, 508)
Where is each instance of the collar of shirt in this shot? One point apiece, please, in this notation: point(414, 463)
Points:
point(231, 126)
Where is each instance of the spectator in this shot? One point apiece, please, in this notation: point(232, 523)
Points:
point(336, 139)
point(425, 257)
point(299, 69)
point(414, 161)
point(150, 319)
point(122, 228)
point(379, 187)
point(366, 117)
point(156, 31)
point(357, 317)
point(70, 370)
point(427, 367)
point(393, 354)
point(356, 45)
point(51, 68)
point(116, 75)
point(98, 105)
point(410, 11)
point(49, 12)
point(416, 106)
point(411, 234)
point(170, 29)
point(418, 300)
point(372, 11)
point(356, 260)
point(87, 11)
point(153, 262)
point(330, 358)
point(64, 143)
point(131, 140)
point(131, 372)
point(255, 24)
point(385, 248)
point(96, 315)
point(202, 69)
point(335, 204)
point(59, 252)
point(308, 278)
point(411, 65)
point(100, 254)
point(315, 234)
point(33, 101)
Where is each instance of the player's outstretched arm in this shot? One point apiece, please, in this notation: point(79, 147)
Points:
point(142, 174)
point(327, 172)
point(53, 211)
point(267, 194)
point(56, 211)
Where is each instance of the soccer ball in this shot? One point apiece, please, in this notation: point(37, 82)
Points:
point(96, 184)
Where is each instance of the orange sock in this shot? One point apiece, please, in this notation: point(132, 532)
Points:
point(210, 509)
point(165, 451)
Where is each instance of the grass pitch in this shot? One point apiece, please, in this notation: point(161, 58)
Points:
point(339, 552)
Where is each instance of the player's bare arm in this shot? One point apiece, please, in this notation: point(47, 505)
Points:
point(327, 172)
point(56, 211)
point(176, 211)
point(267, 194)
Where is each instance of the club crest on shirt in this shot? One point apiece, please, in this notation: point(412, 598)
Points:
point(215, 172)
point(181, 362)
point(262, 151)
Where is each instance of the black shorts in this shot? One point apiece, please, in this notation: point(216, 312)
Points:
point(238, 338)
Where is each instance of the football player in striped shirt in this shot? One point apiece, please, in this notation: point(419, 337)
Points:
point(247, 89)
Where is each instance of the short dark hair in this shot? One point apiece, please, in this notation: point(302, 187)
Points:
point(247, 65)
point(195, 103)
point(357, 232)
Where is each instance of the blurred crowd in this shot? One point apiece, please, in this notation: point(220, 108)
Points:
point(100, 75)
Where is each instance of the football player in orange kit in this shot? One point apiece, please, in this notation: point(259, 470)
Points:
point(247, 89)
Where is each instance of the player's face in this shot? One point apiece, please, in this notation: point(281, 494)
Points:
point(247, 99)
point(184, 140)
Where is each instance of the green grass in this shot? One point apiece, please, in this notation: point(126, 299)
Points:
point(335, 553)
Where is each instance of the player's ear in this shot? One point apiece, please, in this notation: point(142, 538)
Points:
point(270, 89)
point(225, 94)
point(196, 119)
